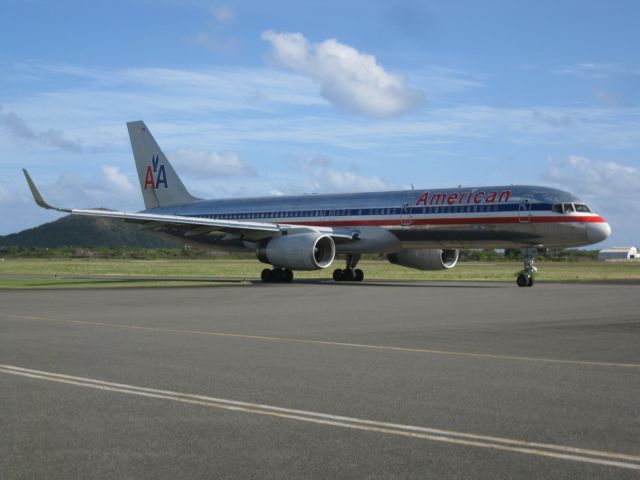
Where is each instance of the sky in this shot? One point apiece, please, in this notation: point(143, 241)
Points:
point(254, 98)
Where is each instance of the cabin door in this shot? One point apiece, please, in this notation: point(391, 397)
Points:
point(524, 210)
point(406, 219)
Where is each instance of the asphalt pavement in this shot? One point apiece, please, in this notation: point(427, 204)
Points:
point(321, 380)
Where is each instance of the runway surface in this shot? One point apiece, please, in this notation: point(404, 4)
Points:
point(321, 380)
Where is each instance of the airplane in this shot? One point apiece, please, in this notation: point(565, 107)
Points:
point(421, 229)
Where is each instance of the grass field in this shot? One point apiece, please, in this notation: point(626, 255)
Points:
point(250, 269)
point(16, 283)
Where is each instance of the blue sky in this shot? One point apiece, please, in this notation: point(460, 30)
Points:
point(254, 98)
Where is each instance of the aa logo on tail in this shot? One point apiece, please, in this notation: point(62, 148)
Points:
point(156, 176)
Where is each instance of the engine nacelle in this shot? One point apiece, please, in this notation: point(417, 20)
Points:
point(298, 251)
point(425, 258)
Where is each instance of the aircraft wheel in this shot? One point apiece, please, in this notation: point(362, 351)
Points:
point(347, 275)
point(266, 275)
point(337, 275)
point(278, 275)
point(359, 275)
point(523, 280)
point(531, 282)
point(288, 275)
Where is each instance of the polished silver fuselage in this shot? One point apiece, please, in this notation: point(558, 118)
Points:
point(385, 222)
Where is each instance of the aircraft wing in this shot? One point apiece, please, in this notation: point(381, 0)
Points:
point(250, 230)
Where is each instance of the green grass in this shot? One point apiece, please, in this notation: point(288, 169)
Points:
point(250, 269)
point(55, 283)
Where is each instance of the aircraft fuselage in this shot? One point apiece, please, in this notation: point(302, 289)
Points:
point(479, 217)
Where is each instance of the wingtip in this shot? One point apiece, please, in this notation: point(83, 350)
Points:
point(37, 197)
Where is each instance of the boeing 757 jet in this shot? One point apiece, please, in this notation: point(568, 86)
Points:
point(422, 229)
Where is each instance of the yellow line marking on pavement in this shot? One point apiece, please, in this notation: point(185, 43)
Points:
point(490, 356)
point(612, 459)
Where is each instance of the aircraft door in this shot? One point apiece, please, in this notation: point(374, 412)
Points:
point(524, 210)
point(406, 218)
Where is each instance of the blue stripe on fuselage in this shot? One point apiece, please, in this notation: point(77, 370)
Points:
point(377, 212)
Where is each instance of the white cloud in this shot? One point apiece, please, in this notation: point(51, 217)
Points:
point(595, 177)
point(310, 163)
point(118, 181)
point(609, 98)
point(442, 81)
point(224, 14)
point(595, 71)
point(336, 181)
point(348, 79)
point(215, 38)
point(324, 178)
point(5, 196)
point(613, 84)
point(199, 163)
point(17, 129)
point(108, 188)
point(197, 102)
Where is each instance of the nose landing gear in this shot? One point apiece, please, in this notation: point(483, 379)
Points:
point(350, 273)
point(526, 277)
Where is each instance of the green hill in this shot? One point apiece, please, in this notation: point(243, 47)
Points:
point(86, 232)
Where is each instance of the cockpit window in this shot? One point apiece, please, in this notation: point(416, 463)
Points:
point(568, 208)
point(557, 208)
point(581, 207)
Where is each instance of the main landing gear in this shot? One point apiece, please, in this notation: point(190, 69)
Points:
point(277, 275)
point(350, 273)
point(525, 279)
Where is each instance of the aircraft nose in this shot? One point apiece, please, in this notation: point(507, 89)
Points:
point(597, 232)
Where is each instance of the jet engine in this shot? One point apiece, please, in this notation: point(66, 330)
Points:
point(298, 251)
point(425, 258)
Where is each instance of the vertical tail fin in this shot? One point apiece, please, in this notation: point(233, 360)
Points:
point(161, 186)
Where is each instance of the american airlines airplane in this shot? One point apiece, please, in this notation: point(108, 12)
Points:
point(422, 229)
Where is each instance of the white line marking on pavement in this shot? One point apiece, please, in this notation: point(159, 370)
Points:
point(490, 356)
point(598, 457)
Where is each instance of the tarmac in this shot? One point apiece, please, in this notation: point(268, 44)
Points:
point(321, 380)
